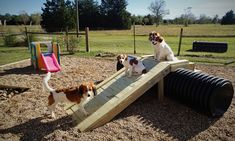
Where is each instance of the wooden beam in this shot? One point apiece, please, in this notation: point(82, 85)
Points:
point(115, 105)
point(161, 90)
point(178, 64)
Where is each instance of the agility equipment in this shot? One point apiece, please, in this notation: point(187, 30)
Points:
point(117, 92)
point(203, 92)
point(203, 46)
point(209, 93)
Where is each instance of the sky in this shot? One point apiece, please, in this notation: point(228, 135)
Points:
point(138, 7)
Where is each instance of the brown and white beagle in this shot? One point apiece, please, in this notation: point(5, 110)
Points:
point(79, 95)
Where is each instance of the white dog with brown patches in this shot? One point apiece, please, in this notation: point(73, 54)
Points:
point(79, 95)
point(131, 64)
point(162, 51)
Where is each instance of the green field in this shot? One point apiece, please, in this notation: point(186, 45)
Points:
point(122, 41)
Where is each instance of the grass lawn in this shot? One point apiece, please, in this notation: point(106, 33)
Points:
point(121, 41)
point(9, 55)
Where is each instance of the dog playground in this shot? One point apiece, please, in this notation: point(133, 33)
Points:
point(119, 91)
point(124, 107)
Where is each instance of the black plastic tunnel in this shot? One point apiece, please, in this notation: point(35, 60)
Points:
point(206, 93)
point(210, 46)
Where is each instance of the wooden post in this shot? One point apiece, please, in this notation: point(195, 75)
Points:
point(77, 27)
point(161, 90)
point(87, 40)
point(67, 38)
point(181, 33)
point(27, 36)
point(134, 37)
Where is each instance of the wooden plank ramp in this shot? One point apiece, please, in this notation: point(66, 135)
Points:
point(117, 92)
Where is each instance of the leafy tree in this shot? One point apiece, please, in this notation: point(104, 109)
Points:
point(36, 18)
point(215, 20)
point(203, 19)
point(57, 15)
point(24, 17)
point(179, 20)
point(158, 9)
point(114, 14)
point(138, 20)
point(150, 20)
point(89, 14)
point(228, 18)
point(7, 17)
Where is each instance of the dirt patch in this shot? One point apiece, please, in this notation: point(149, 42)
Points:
point(22, 116)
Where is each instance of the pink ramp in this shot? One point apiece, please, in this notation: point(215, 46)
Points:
point(50, 62)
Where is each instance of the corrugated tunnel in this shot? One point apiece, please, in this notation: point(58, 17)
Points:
point(206, 93)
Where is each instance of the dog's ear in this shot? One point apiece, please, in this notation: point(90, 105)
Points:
point(82, 89)
point(118, 57)
point(150, 36)
point(126, 57)
point(158, 34)
point(133, 61)
point(161, 39)
point(94, 90)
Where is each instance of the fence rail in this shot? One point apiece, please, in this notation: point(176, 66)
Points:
point(57, 33)
point(208, 36)
point(66, 33)
point(181, 36)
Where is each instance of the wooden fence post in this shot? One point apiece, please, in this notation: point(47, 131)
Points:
point(67, 38)
point(87, 39)
point(27, 36)
point(134, 38)
point(181, 34)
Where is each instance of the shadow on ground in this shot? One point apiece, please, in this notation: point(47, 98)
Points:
point(28, 70)
point(35, 129)
point(168, 117)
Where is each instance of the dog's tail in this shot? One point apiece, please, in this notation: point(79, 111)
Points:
point(45, 81)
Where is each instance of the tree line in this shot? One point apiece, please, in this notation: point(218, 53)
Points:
point(22, 19)
point(57, 15)
point(110, 14)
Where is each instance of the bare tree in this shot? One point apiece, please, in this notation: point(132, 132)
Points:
point(187, 15)
point(24, 17)
point(158, 9)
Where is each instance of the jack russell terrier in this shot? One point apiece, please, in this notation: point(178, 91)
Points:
point(131, 64)
point(162, 50)
point(79, 95)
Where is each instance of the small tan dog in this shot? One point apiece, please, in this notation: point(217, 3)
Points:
point(79, 95)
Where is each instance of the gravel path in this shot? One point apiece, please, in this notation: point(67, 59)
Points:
point(22, 116)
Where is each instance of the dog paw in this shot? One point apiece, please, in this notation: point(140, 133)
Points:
point(87, 114)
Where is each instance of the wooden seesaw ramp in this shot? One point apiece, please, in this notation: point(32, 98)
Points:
point(118, 91)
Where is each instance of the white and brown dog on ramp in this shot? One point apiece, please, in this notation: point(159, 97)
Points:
point(162, 51)
point(131, 64)
point(78, 95)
